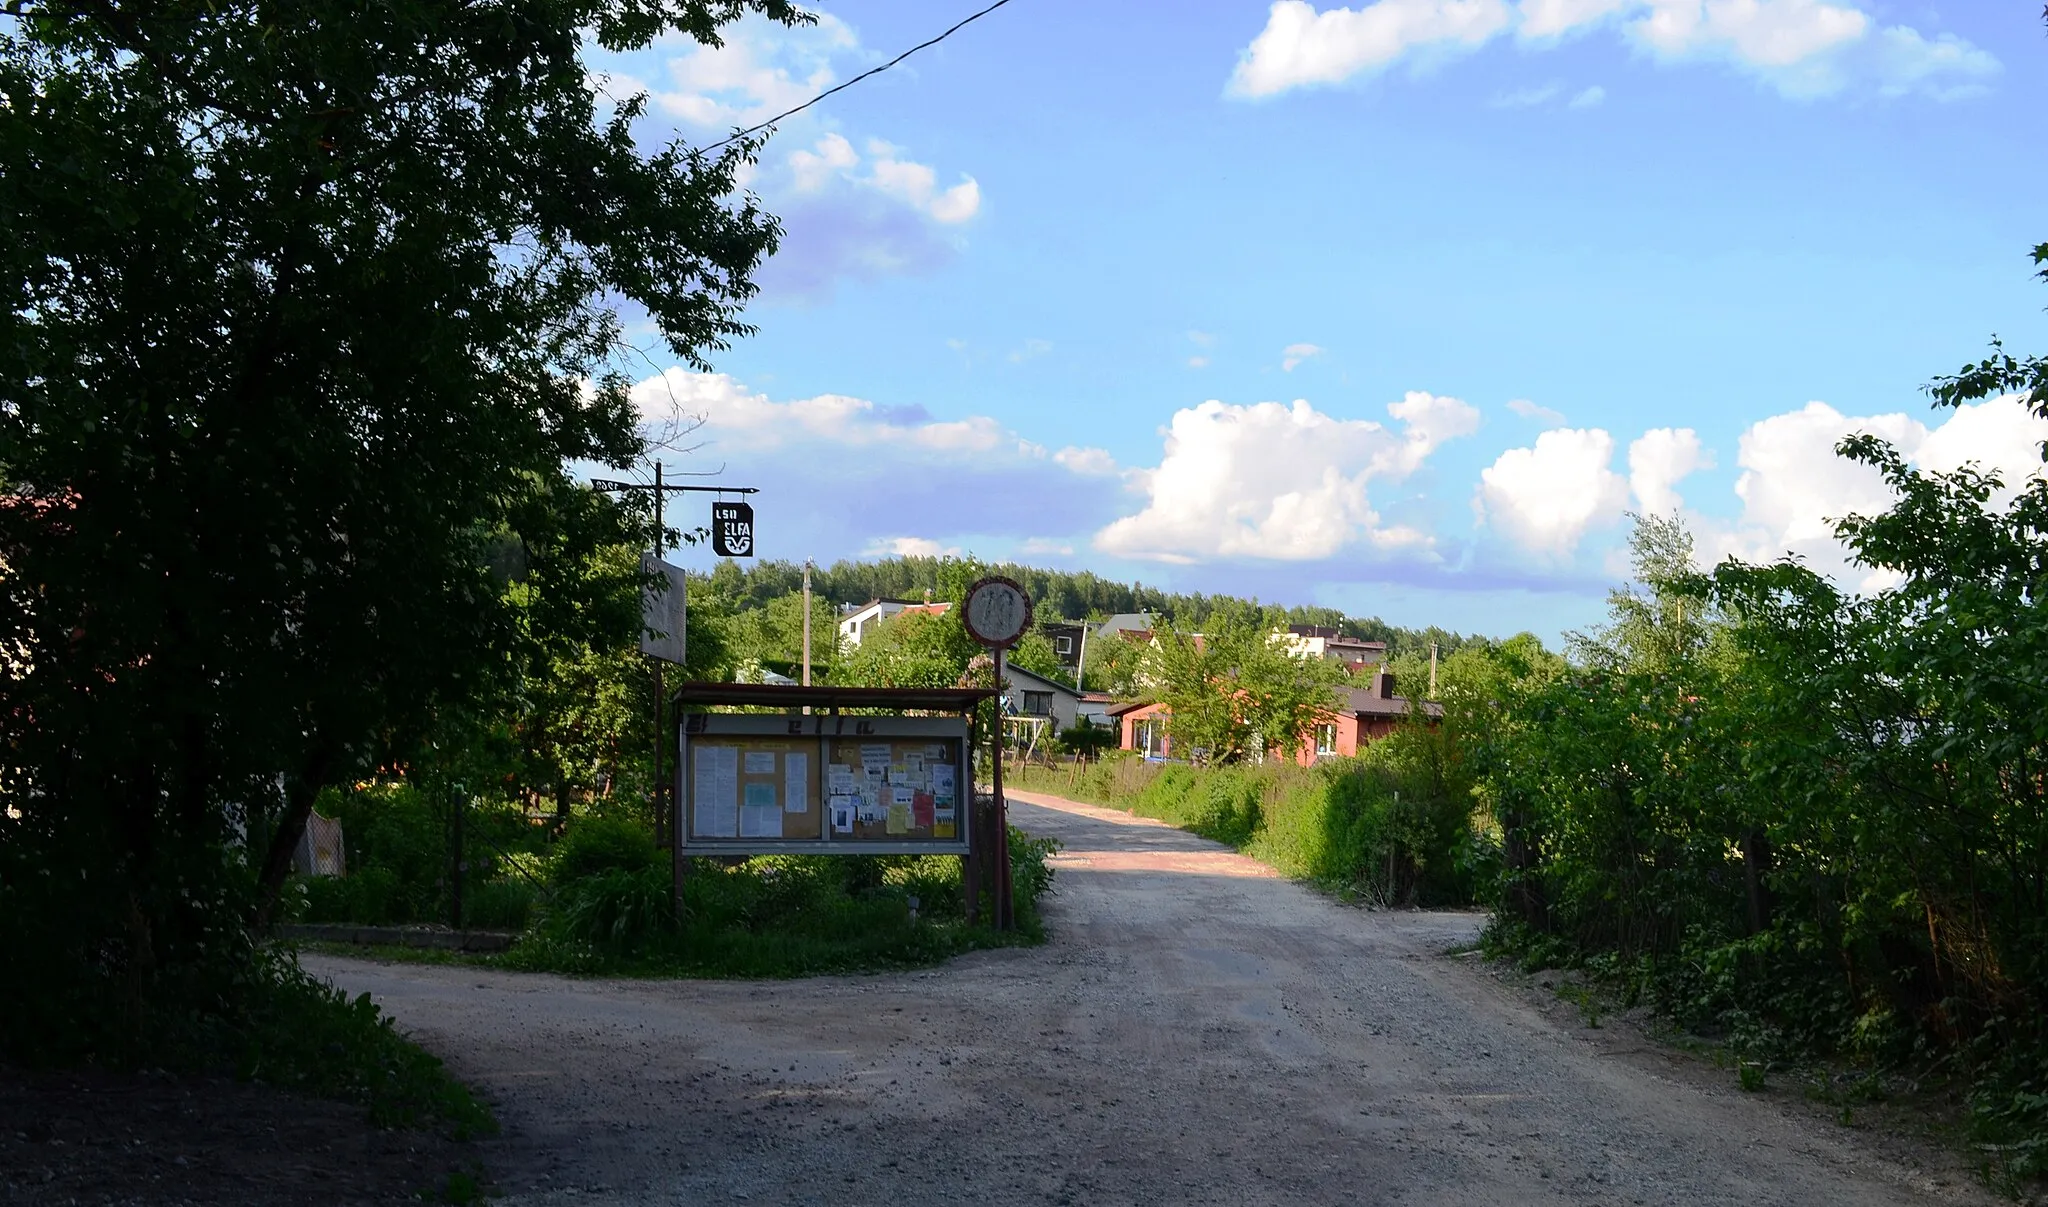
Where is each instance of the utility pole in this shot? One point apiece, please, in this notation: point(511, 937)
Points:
point(1081, 659)
point(807, 622)
point(1432, 670)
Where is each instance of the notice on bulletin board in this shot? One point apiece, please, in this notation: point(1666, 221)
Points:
point(746, 786)
point(894, 790)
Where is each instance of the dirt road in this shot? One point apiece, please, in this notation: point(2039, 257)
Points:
point(1196, 1031)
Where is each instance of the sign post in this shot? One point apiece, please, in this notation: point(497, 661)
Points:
point(998, 614)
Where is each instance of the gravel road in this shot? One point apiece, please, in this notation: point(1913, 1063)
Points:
point(1196, 1031)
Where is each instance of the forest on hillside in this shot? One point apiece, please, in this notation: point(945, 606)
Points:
point(760, 607)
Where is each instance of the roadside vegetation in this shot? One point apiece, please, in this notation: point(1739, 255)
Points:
point(1806, 826)
point(593, 896)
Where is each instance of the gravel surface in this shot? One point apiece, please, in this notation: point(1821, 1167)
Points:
point(1196, 1031)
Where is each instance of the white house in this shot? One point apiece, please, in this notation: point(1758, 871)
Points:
point(1029, 694)
point(857, 624)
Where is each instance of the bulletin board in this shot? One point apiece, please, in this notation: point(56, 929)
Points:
point(893, 789)
point(751, 784)
point(752, 787)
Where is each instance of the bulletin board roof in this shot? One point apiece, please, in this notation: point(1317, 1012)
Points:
point(779, 695)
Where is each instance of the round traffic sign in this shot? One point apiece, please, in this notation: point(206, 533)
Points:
point(998, 613)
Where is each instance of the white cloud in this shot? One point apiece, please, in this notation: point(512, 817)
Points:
point(1530, 410)
point(1793, 487)
point(1032, 350)
point(1658, 461)
point(1203, 338)
point(1279, 482)
point(1092, 461)
point(1042, 546)
point(1198, 362)
point(1549, 18)
point(835, 469)
point(1946, 68)
point(1803, 48)
point(1545, 498)
point(1588, 98)
point(909, 546)
point(1527, 98)
point(812, 170)
point(1294, 354)
point(762, 69)
point(1300, 46)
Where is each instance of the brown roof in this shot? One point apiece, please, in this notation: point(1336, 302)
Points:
point(781, 695)
point(1366, 702)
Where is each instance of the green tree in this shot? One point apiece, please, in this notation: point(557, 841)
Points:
point(306, 309)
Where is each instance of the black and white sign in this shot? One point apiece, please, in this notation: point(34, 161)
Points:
point(998, 613)
point(732, 529)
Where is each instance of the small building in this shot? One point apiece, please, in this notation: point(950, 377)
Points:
point(856, 625)
point(1361, 716)
point(1323, 641)
point(1137, 625)
point(1067, 638)
point(1028, 694)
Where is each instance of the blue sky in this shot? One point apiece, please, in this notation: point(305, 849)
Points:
point(1134, 288)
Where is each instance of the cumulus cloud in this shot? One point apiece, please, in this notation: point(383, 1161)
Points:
point(1658, 461)
point(1198, 362)
point(1300, 46)
point(1530, 410)
point(1543, 499)
point(1294, 354)
point(849, 209)
point(1803, 48)
point(834, 469)
point(1279, 482)
point(1793, 487)
point(1032, 350)
point(1093, 462)
point(1587, 98)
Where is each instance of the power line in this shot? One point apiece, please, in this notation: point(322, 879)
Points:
point(739, 134)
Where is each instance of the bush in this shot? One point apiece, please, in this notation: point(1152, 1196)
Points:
point(1395, 824)
point(595, 845)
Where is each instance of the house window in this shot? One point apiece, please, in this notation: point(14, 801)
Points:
point(1037, 704)
point(1065, 645)
point(1149, 735)
point(1326, 739)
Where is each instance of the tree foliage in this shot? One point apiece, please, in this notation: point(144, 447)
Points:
point(1811, 821)
point(306, 311)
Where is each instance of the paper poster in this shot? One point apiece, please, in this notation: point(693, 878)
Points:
point(716, 793)
point(900, 794)
point(934, 752)
point(942, 783)
point(899, 819)
point(914, 762)
point(760, 762)
point(838, 779)
point(759, 818)
point(796, 783)
point(874, 756)
point(842, 814)
point(921, 810)
point(869, 811)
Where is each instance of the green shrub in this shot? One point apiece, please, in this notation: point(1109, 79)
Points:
point(595, 845)
point(499, 904)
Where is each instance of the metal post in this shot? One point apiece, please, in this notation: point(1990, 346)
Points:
point(660, 734)
point(1001, 838)
point(458, 865)
point(807, 622)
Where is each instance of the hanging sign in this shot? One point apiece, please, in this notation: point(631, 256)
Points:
point(732, 529)
point(998, 613)
point(661, 609)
